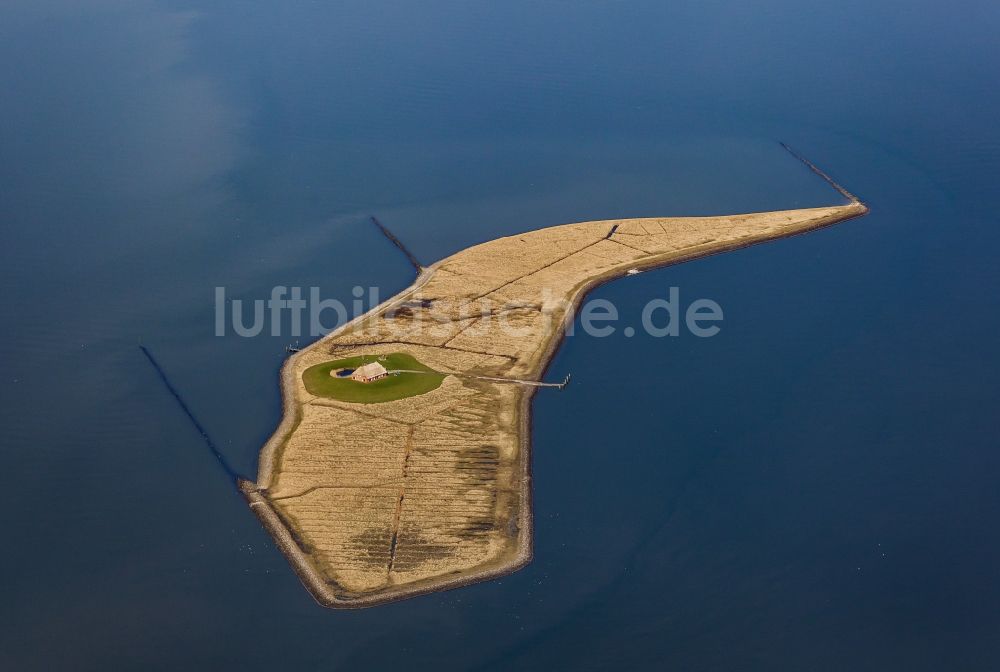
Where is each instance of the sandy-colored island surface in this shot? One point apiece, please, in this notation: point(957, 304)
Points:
point(380, 501)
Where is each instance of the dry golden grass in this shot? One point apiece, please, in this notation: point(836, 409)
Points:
point(386, 500)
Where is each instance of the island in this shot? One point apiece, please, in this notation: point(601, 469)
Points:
point(402, 461)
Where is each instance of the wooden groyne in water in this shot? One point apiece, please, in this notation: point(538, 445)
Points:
point(398, 243)
point(819, 171)
point(190, 415)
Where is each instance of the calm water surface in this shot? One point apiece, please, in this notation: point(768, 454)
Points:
point(814, 488)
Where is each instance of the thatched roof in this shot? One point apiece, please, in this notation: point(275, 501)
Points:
point(368, 371)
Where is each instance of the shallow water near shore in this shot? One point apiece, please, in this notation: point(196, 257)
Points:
point(813, 488)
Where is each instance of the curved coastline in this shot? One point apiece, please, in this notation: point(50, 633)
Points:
point(312, 578)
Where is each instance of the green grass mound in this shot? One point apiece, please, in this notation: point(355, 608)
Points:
point(319, 381)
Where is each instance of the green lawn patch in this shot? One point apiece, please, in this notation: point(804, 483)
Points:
point(319, 381)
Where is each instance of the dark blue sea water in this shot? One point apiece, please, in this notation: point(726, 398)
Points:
point(815, 488)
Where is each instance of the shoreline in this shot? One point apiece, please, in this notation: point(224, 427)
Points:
point(313, 580)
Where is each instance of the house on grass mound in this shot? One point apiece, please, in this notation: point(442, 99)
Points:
point(369, 373)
